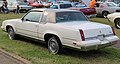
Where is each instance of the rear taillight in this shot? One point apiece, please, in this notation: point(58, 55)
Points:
point(82, 35)
point(113, 30)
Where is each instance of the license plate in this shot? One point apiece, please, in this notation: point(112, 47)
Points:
point(100, 37)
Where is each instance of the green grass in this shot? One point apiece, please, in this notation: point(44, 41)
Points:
point(37, 52)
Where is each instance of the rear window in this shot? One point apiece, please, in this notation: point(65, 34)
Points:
point(70, 17)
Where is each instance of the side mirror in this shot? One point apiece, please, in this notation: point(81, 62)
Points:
point(27, 20)
point(22, 19)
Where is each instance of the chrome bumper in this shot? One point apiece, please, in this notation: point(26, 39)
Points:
point(95, 47)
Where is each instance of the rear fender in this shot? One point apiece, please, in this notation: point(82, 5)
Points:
point(54, 33)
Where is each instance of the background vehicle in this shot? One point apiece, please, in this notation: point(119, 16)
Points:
point(114, 17)
point(62, 27)
point(64, 2)
point(24, 6)
point(1, 2)
point(36, 4)
point(12, 4)
point(60, 6)
point(83, 8)
point(89, 12)
point(46, 4)
point(119, 4)
point(105, 8)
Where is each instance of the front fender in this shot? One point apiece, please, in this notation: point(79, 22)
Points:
point(11, 26)
point(116, 18)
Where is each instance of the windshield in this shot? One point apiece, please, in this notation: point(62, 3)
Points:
point(22, 3)
point(69, 17)
point(65, 5)
point(112, 4)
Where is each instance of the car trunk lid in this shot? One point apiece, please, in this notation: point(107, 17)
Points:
point(90, 29)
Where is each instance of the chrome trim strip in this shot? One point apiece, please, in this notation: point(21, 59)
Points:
point(26, 30)
point(69, 39)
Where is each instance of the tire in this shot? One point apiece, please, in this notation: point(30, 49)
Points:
point(11, 33)
point(54, 45)
point(104, 14)
point(117, 23)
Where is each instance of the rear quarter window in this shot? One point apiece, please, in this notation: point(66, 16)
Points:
point(44, 17)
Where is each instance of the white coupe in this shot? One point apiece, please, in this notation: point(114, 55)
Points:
point(114, 17)
point(59, 28)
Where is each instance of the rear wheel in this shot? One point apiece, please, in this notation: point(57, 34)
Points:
point(11, 33)
point(117, 23)
point(54, 45)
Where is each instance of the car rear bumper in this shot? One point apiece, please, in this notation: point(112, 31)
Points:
point(99, 46)
point(94, 44)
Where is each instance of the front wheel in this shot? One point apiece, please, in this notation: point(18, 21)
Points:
point(54, 45)
point(117, 23)
point(11, 33)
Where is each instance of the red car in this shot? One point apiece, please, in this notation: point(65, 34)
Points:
point(86, 11)
point(35, 4)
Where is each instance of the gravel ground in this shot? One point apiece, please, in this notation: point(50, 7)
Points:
point(8, 58)
point(5, 59)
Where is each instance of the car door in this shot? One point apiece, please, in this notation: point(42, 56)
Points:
point(28, 25)
point(99, 7)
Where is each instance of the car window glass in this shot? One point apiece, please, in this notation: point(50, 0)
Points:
point(97, 5)
point(65, 5)
point(70, 17)
point(33, 16)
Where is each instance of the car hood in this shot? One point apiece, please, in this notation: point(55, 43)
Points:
point(113, 15)
point(12, 20)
